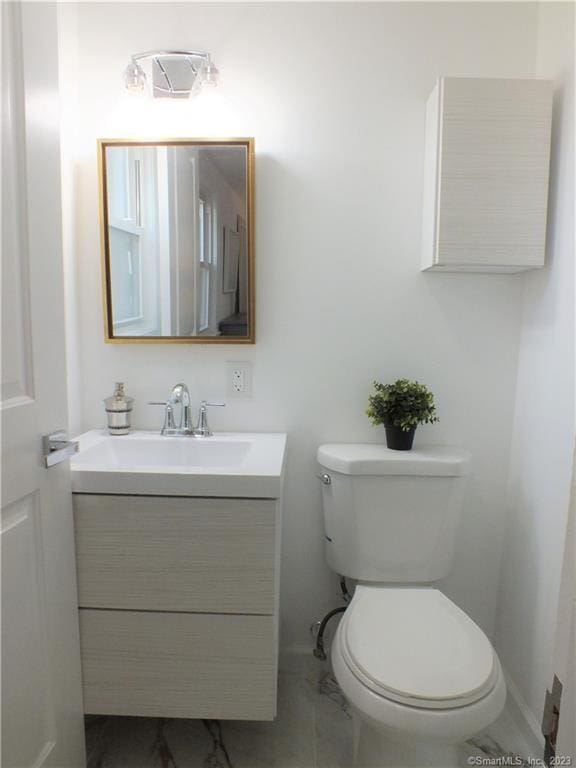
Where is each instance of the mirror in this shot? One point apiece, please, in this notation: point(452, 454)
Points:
point(177, 240)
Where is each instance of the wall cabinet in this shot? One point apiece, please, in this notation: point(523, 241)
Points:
point(487, 160)
point(178, 601)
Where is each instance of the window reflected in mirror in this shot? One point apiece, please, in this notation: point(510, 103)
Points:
point(177, 240)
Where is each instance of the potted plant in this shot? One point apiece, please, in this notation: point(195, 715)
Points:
point(401, 406)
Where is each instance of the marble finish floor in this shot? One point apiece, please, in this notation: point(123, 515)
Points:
point(313, 729)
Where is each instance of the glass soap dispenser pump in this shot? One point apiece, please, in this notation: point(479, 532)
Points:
point(118, 410)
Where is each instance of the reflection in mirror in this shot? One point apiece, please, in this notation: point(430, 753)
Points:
point(177, 241)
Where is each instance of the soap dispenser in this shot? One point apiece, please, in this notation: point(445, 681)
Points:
point(118, 410)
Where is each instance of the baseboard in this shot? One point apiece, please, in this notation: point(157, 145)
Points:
point(524, 718)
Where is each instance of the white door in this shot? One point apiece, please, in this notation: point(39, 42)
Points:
point(42, 722)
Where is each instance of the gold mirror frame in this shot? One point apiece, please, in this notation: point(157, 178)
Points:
point(109, 336)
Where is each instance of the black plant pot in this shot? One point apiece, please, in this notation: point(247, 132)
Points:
point(397, 439)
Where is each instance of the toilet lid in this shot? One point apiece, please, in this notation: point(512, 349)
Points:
point(414, 646)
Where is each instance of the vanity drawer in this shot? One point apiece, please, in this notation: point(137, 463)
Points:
point(175, 553)
point(178, 665)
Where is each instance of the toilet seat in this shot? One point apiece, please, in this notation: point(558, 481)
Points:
point(414, 646)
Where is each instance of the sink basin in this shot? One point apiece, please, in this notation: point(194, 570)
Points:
point(227, 464)
point(134, 453)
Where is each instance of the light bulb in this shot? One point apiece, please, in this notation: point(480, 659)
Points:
point(211, 75)
point(134, 78)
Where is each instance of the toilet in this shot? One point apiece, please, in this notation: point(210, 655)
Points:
point(421, 677)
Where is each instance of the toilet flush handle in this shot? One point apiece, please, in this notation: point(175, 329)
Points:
point(325, 478)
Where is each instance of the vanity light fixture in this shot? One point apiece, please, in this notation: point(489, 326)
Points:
point(175, 74)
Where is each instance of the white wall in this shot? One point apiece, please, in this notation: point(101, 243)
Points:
point(543, 434)
point(334, 95)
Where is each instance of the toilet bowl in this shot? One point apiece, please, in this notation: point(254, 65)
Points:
point(420, 675)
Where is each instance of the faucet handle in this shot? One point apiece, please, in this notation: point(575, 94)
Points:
point(168, 414)
point(203, 430)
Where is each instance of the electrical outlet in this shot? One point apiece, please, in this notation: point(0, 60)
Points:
point(239, 379)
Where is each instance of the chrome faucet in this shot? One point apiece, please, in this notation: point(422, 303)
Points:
point(181, 396)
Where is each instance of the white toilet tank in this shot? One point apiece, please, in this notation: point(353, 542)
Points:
point(391, 516)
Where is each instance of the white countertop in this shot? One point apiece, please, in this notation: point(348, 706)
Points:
point(233, 464)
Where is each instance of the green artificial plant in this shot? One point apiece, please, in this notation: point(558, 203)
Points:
point(404, 404)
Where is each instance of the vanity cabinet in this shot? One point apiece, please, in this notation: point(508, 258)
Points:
point(178, 601)
point(487, 157)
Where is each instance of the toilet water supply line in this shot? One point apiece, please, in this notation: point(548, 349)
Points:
point(319, 651)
